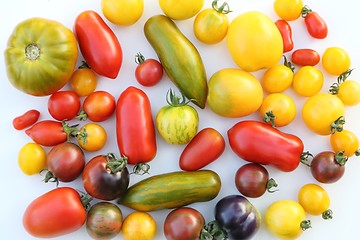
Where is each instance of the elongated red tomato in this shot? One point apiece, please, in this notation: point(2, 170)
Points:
point(135, 128)
point(98, 44)
point(204, 148)
point(315, 24)
point(305, 57)
point(286, 34)
point(260, 143)
point(26, 119)
point(55, 213)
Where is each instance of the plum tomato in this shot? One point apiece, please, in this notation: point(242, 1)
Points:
point(305, 57)
point(25, 120)
point(32, 158)
point(83, 81)
point(64, 105)
point(131, 229)
point(315, 24)
point(92, 137)
point(149, 71)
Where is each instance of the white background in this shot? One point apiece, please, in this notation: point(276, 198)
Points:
point(18, 190)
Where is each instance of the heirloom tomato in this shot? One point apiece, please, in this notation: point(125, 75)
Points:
point(308, 81)
point(148, 72)
point(254, 41)
point(315, 24)
point(32, 158)
point(288, 10)
point(335, 60)
point(278, 78)
point(25, 120)
point(122, 12)
point(83, 81)
point(345, 141)
point(40, 57)
point(98, 106)
point(92, 137)
point(139, 226)
point(181, 10)
point(64, 105)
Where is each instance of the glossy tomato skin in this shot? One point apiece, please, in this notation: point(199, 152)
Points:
point(25, 120)
point(55, 213)
point(135, 126)
point(259, 142)
point(204, 148)
point(183, 223)
point(64, 105)
point(286, 34)
point(92, 137)
point(149, 71)
point(98, 44)
point(83, 81)
point(99, 106)
point(315, 24)
point(325, 168)
point(305, 57)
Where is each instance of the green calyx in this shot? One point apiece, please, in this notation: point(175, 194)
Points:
point(174, 100)
point(337, 125)
point(139, 58)
point(224, 8)
point(305, 11)
point(212, 231)
point(334, 88)
point(114, 163)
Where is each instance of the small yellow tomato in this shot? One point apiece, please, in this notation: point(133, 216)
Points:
point(122, 12)
point(32, 158)
point(92, 137)
point(278, 109)
point(349, 92)
point(181, 9)
point(139, 226)
point(277, 78)
point(288, 10)
point(335, 60)
point(308, 81)
point(345, 141)
point(83, 80)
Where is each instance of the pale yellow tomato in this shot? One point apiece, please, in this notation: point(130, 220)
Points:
point(308, 81)
point(335, 60)
point(32, 158)
point(288, 10)
point(181, 9)
point(122, 12)
point(139, 226)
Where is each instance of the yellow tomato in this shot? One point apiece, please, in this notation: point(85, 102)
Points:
point(92, 137)
point(234, 93)
point(308, 81)
point(32, 158)
point(83, 81)
point(278, 109)
point(349, 92)
point(320, 111)
point(345, 141)
point(254, 41)
point(122, 12)
point(288, 10)
point(139, 226)
point(277, 78)
point(181, 9)
point(335, 60)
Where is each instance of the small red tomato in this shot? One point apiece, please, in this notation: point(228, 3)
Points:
point(64, 105)
point(148, 71)
point(26, 120)
point(204, 148)
point(286, 34)
point(98, 106)
point(315, 24)
point(305, 57)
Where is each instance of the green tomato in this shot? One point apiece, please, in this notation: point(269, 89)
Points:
point(178, 122)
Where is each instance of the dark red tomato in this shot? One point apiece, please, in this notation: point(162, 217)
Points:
point(64, 105)
point(328, 167)
point(55, 213)
point(26, 119)
point(98, 44)
point(148, 71)
point(286, 34)
point(183, 223)
point(305, 57)
point(252, 180)
point(259, 142)
point(204, 148)
point(65, 162)
point(106, 177)
point(315, 24)
point(98, 106)
point(135, 128)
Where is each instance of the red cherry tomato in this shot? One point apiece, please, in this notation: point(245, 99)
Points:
point(64, 105)
point(98, 106)
point(204, 148)
point(148, 71)
point(98, 44)
point(26, 119)
point(286, 34)
point(315, 24)
point(305, 57)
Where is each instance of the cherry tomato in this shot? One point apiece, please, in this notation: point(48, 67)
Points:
point(288, 10)
point(183, 223)
point(83, 81)
point(185, 10)
point(92, 137)
point(305, 57)
point(286, 34)
point(279, 77)
point(308, 81)
point(149, 71)
point(98, 44)
point(335, 60)
point(26, 119)
point(204, 148)
point(64, 105)
point(345, 141)
point(32, 158)
point(98, 106)
point(123, 12)
point(315, 24)
point(139, 225)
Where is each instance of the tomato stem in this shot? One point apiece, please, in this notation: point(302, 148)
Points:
point(139, 58)
point(337, 125)
point(305, 11)
point(32, 52)
point(289, 64)
point(340, 158)
point(114, 163)
point(270, 117)
point(213, 231)
point(175, 101)
point(328, 214)
point(224, 8)
point(50, 177)
point(357, 152)
point(84, 65)
point(141, 169)
point(85, 199)
point(306, 224)
point(71, 131)
point(82, 116)
point(342, 77)
point(304, 158)
point(271, 183)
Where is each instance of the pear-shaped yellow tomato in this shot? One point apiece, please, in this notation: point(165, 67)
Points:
point(181, 9)
point(122, 12)
point(254, 41)
point(234, 93)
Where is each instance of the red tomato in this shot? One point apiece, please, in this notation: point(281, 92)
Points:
point(135, 130)
point(26, 120)
point(148, 71)
point(305, 57)
point(55, 213)
point(204, 148)
point(315, 25)
point(259, 142)
point(286, 34)
point(98, 44)
point(64, 105)
point(98, 106)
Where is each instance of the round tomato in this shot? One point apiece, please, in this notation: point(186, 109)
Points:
point(25, 120)
point(234, 93)
point(278, 78)
point(122, 12)
point(83, 81)
point(288, 10)
point(254, 41)
point(40, 57)
point(139, 226)
point(104, 220)
point(177, 123)
point(335, 60)
point(181, 10)
point(183, 223)
point(64, 105)
point(32, 158)
point(98, 106)
point(349, 92)
point(148, 71)
point(308, 81)
point(92, 137)
point(345, 141)
point(211, 25)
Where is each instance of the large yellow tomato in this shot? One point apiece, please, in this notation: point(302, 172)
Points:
point(254, 41)
point(234, 93)
point(181, 9)
point(122, 12)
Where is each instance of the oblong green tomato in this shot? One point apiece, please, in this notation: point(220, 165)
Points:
point(40, 57)
point(234, 93)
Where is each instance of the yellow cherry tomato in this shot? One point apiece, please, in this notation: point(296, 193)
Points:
point(349, 92)
point(92, 137)
point(285, 219)
point(335, 60)
point(345, 141)
point(139, 226)
point(308, 81)
point(320, 111)
point(288, 10)
point(278, 78)
point(32, 158)
point(122, 12)
point(83, 80)
point(278, 109)
point(181, 9)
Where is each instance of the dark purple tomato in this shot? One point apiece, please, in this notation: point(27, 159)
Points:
point(328, 167)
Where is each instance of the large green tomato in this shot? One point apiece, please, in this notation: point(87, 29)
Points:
point(40, 57)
